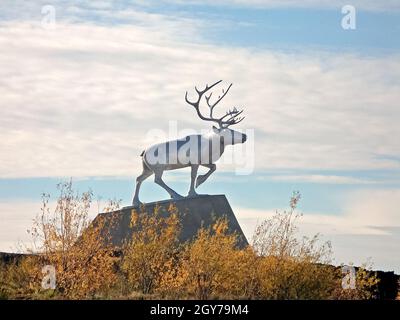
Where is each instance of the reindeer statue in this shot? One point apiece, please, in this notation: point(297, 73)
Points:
point(194, 150)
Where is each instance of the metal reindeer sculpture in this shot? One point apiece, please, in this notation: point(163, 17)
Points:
point(193, 150)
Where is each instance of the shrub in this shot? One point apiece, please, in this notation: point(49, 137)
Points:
point(149, 256)
point(84, 265)
point(154, 264)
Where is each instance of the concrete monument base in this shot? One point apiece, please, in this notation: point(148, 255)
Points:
point(194, 213)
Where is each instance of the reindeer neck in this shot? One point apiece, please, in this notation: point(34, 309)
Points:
point(216, 139)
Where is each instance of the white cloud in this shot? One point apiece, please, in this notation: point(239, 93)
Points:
point(370, 5)
point(318, 178)
point(376, 207)
point(369, 212)
point(17, 218)
point(21, 8)
point(368, 228)
point(79, 100)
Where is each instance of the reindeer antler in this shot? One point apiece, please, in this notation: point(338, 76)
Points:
point(231, 115)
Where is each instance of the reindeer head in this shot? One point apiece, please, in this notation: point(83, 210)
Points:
point(230, 118)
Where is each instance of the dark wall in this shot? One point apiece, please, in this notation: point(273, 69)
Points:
point(6, 257)
point(388, 285)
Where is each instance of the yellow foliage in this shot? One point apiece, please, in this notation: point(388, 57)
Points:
point(84, 265)
point(365, 286)
point(212, 266)
point(151, 252)
point(154, 264)
point(21, 280)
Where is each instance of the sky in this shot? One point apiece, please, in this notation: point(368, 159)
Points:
point(84, 91)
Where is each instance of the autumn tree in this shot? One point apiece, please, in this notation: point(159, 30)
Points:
point(293, 267)
point(65, 239)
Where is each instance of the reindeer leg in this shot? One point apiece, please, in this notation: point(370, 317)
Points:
point(204, 177)
point(160, 182)
point(145, 174)
point(192, 192)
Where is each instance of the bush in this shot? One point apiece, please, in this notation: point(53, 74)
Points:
point(150, 255)
point(212, 266)
point(84, 265)
point(154, 264)
point(290, 268)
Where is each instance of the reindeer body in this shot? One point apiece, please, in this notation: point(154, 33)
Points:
point(192, 151)
point(181, 153)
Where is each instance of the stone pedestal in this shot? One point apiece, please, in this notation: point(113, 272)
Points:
point(194, 212)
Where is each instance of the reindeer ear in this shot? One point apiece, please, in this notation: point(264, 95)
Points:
point(215, 129)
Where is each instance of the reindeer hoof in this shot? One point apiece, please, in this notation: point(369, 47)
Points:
point(177, 197)
point(136, 203)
